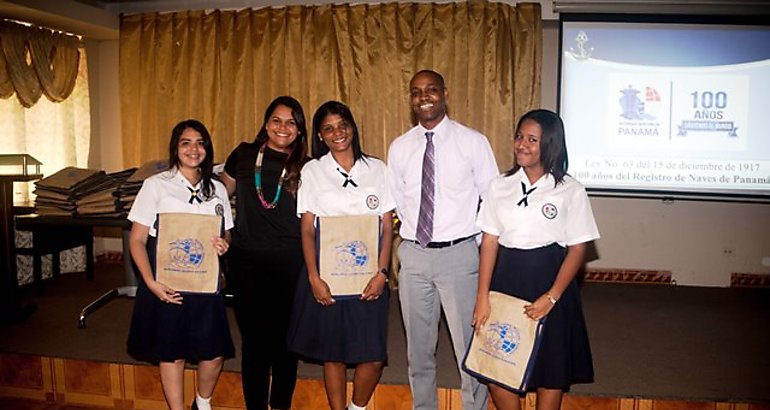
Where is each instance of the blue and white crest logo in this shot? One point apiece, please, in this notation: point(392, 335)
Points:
point(372, 201)
point(550, 211)
point(219, 210)
point(503, 338)
point(186, 253)
point(636, 108)
point(352, 255)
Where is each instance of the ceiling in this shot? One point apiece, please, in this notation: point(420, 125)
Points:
point(99, 19)
point(66, 15)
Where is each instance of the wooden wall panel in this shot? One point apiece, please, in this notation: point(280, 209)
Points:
point(391, 397)
point(137, 387)
point(142, 385)
point(310, 394)
point(643, 404)
point(86, 382)
point(571, 402)
point(144, 391)
point(627, 404)
point(522, 403)
point(683, 405)
point(450, 399)
point(26, 376)
point(228, 393)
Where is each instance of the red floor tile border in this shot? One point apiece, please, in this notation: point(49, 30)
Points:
point(110, 257)
point(641, 276)
point(749, 280)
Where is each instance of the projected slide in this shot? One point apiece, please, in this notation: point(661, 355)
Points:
point(667, 108)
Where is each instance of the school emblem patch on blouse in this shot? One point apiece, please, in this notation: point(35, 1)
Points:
point(550, 211)
point(372, 201)
point(219, 209)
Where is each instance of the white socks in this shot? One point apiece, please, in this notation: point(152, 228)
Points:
point(352, 406)
point(203, 404)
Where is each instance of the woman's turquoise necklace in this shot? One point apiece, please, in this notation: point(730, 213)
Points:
point(258, 180)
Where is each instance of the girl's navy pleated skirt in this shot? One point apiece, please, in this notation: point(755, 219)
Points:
point(162, 332)
point(564, 357)
point(350, 331)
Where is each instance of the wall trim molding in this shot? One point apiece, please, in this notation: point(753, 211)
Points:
point(640, 276)
point(749, 280)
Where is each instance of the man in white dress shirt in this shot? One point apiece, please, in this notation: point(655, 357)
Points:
point(438, 172)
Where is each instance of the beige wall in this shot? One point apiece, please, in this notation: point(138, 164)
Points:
point(688, 238)
point(106, 151)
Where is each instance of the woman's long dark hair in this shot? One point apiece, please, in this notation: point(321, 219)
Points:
point(206, 166)
point(298, 147)
point(553, 146)
point(335, 108)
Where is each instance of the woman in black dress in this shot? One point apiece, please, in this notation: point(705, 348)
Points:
point(266, 254)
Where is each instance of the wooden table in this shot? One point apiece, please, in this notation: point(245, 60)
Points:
point(52, 234)
point(49, 235)
point(11, 310)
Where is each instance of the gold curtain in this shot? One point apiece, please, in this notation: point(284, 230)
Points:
point(37, 61)
point(224, 67)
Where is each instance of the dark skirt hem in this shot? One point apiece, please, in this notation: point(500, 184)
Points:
point(196, 330)
point(350, 331)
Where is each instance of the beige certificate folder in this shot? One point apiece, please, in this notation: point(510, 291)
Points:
point(348, 252)
point(186, 259)
point(503, 351)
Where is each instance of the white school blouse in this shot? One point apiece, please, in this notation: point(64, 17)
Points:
point(548, 214)
point(169, 191)
point(323, 191)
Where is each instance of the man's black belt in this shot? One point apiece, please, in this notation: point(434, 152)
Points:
point(438, 245)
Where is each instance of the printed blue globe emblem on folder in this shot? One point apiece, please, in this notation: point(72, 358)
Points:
point(352, 255)
point(503, 337)
point(186, 253)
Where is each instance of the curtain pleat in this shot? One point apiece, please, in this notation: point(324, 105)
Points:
point(55, 59)
point(23, 78)
point(37, 61)
point(224, 67)
point(6, 84)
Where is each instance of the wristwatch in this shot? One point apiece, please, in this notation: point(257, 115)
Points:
point(385, 272)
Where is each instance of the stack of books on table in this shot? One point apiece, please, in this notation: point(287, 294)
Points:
point(126, 192)
point(101, 201)
point(76, 191)
point(57, 194)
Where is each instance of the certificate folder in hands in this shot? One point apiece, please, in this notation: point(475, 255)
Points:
point(186, 260)
point(348, 252)
point(503, 351)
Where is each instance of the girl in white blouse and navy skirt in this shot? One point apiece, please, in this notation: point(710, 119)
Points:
point(536, 222)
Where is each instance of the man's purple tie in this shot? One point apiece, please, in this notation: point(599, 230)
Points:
point(425, 218)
